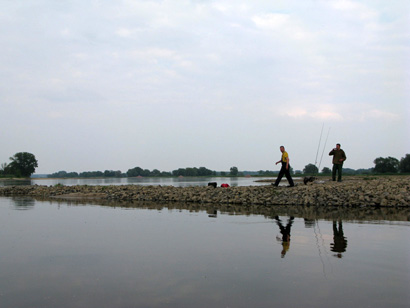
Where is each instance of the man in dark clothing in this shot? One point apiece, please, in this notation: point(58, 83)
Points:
point(339, 157)
point(285, 170)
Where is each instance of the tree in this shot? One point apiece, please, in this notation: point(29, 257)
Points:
point(3, 169)
point(191, 171)
point(109, 173)
point(310, 169)
point(136, 171)
point(202, 171)
point(156, 172)
point(22, 164)
point(63, 174)
point(179, 172)
point(91, 174)
point(326, 170)
point(386, 165)
point(404, 165)
point(234, 171)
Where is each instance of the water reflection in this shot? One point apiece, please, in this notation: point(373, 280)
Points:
point(15, 182)
point(145, 181)
point(310, 214)
point(339, 240)
point(285, 231)
point(309, 223)
point(195, 255)
point(23, 203)
point(212, 213)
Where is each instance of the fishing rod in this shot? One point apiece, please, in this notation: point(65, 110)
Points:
point(307, 179)
point(320, 162)
point(320, 140)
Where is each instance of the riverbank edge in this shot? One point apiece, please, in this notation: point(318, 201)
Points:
point(352, 192)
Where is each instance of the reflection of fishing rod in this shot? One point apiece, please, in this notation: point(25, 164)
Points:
point(318, 247)
point(319, 251)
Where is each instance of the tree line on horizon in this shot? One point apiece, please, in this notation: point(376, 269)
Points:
point(382, 165)
point(23, 164)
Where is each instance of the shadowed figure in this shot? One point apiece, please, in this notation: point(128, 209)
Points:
point(339, 241)
point(285, 231)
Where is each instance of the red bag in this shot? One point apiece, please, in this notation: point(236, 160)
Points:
point(225, 185)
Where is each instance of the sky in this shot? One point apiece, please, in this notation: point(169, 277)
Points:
point(94, 85)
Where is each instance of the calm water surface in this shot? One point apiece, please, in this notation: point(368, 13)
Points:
point(61, 254)
point(179, 182)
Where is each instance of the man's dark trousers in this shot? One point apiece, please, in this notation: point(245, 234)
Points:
point(337, 168)
point(284, 171)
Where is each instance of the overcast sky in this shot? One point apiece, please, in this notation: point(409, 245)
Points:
point(110, 85)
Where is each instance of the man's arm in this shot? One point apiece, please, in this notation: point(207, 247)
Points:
point(343, 156)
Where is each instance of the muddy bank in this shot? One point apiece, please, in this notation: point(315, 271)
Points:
point(355, 191)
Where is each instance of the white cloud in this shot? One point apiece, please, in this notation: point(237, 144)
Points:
point(282, 24)
point(380, 114)
point(295, 112)
point(317, 112)
point(125, 32)
point(271, 21)
point(361, 10)
point(346, 5)
point(327, 115)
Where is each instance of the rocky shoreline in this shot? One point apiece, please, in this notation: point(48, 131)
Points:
point(376, 191)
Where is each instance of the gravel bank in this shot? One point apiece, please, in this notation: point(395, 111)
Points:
point(387, 191)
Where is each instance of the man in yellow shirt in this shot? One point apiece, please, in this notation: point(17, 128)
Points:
point(285, 170)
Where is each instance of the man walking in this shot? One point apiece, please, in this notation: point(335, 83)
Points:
point(339, 157)
point(285, 170)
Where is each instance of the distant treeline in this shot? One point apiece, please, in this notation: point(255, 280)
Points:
point(135, 172)
point(385, 165)
point(23, 164)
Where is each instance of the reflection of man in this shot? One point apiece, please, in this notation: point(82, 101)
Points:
point(212, 213)
point(340, 242)
point(285, 231)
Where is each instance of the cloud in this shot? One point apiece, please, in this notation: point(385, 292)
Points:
point(361, 10)
point(125, 32)
point(271, 21)
point(282, 24)
point(55, 115)
point(321, 112)
point(380, 114)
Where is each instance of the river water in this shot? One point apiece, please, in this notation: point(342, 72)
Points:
point(177, 182)
point(91, 254)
